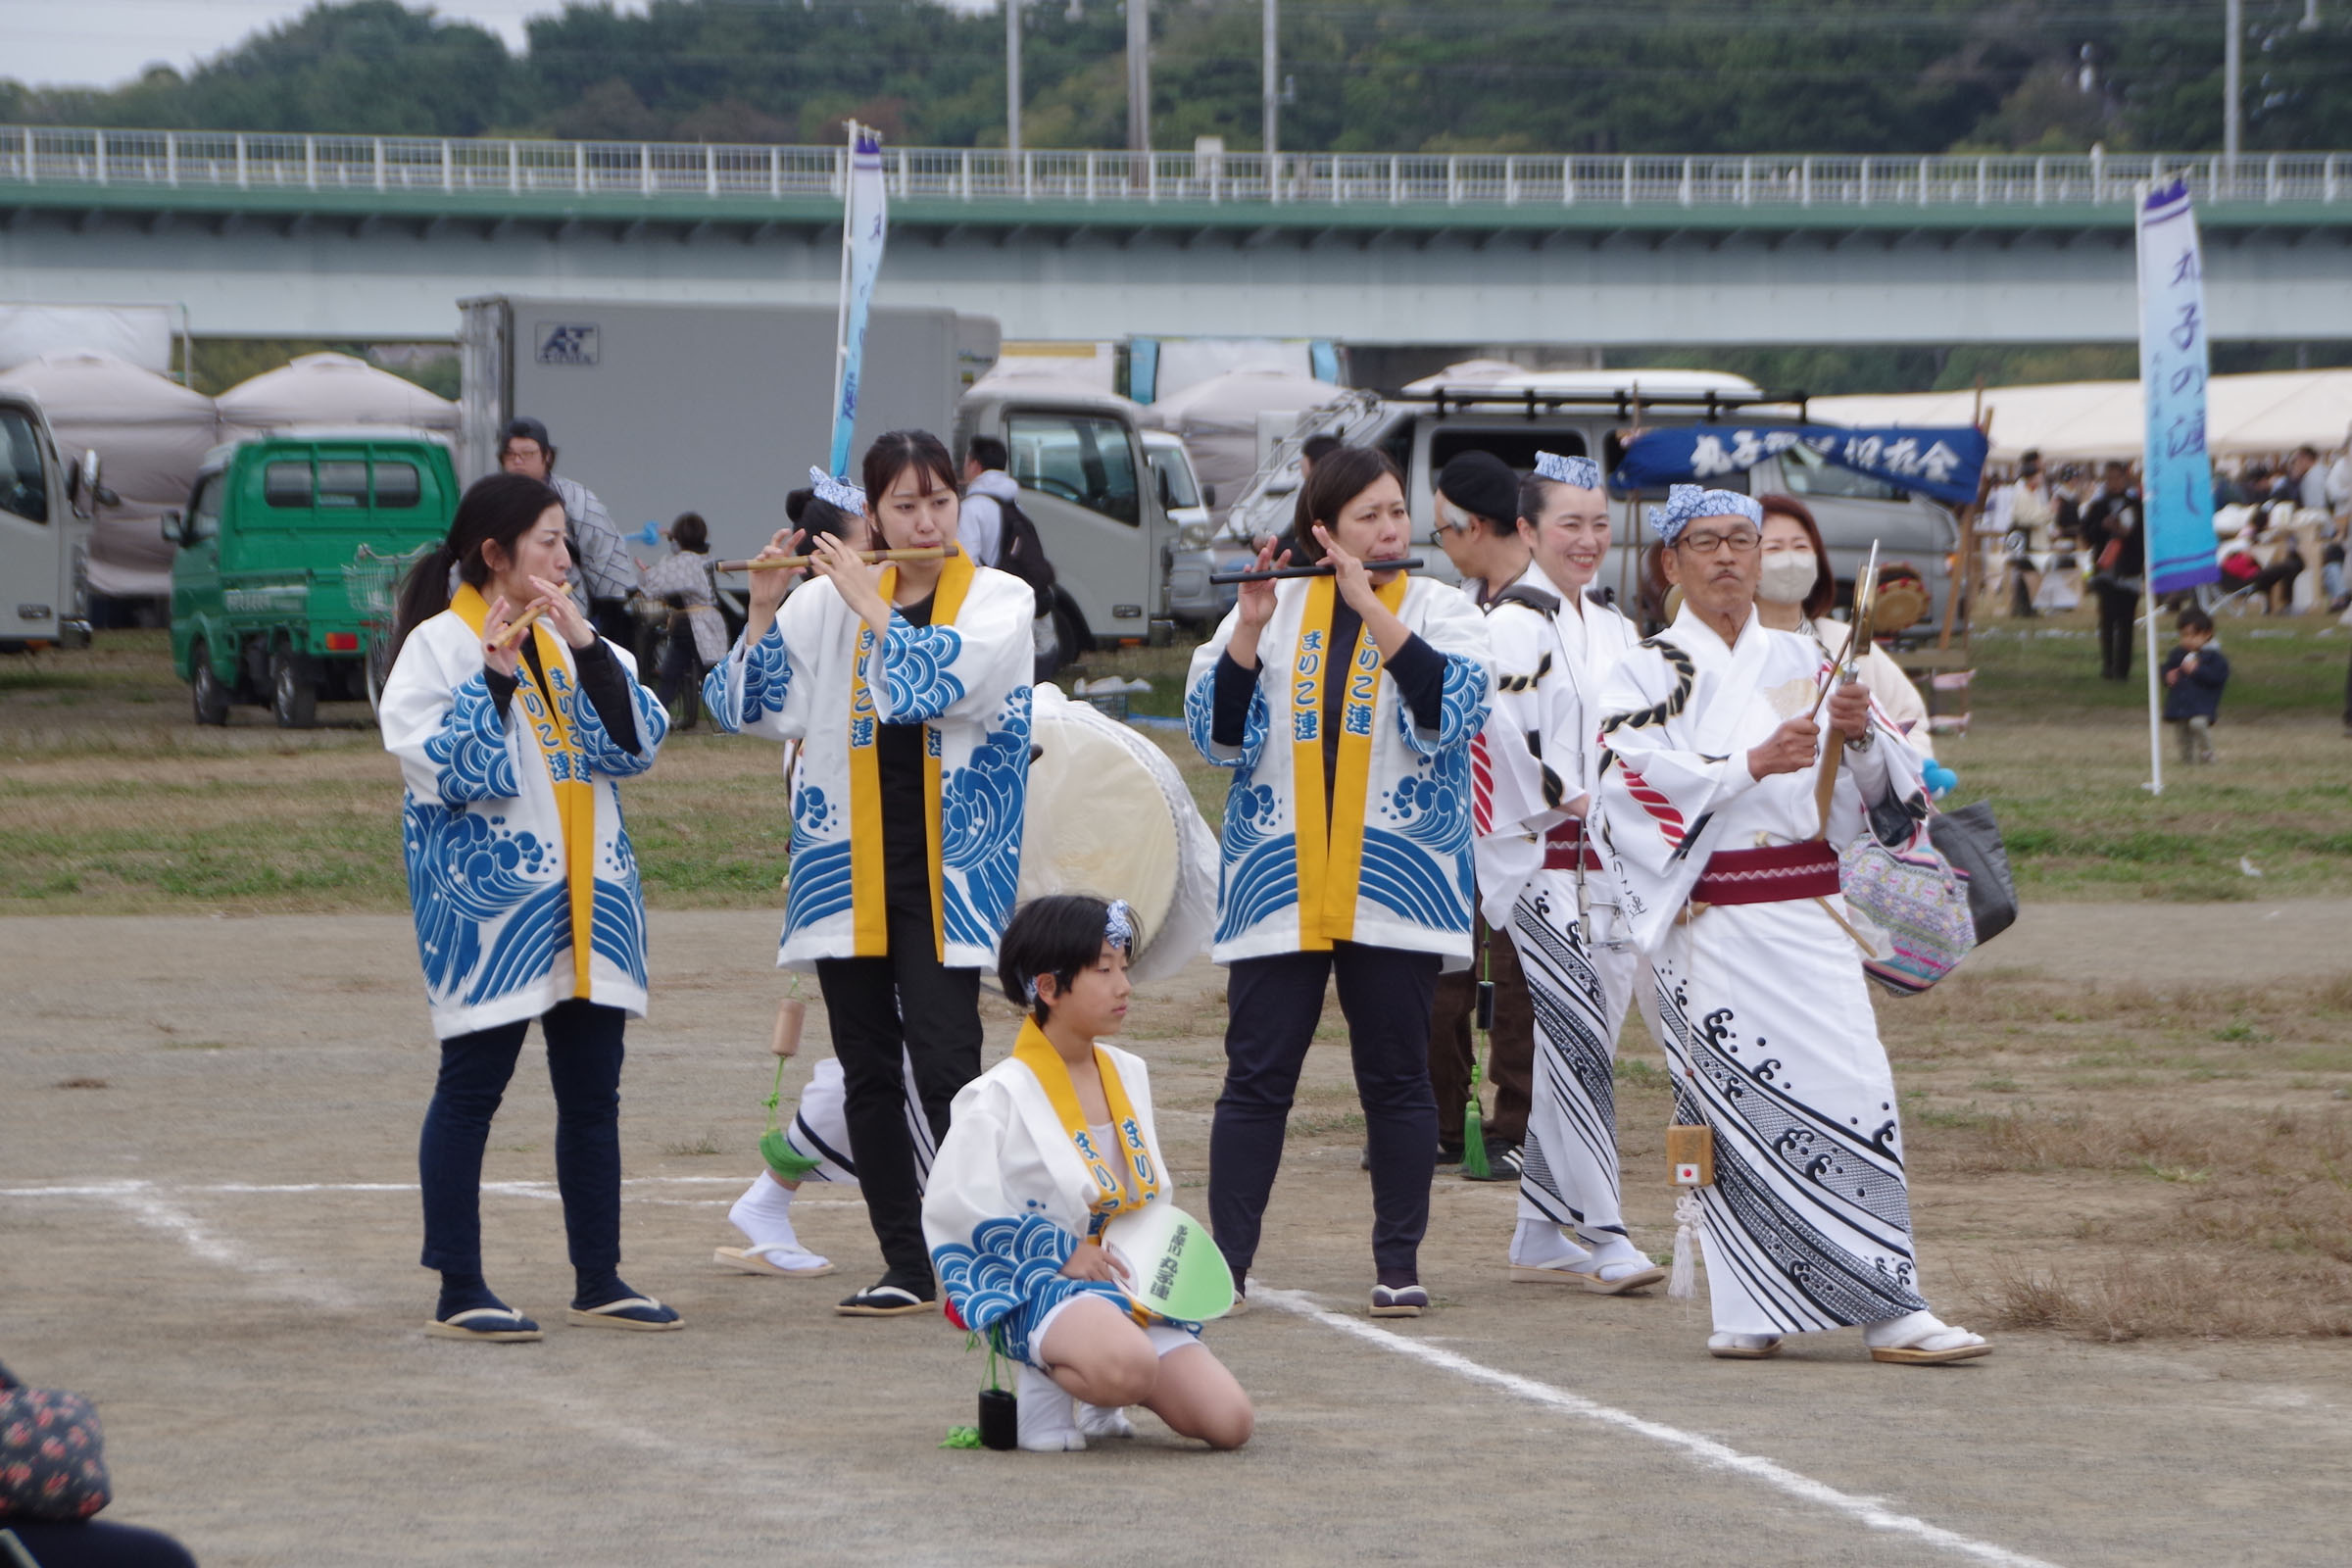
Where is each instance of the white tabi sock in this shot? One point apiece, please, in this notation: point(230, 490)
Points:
point(1615, 1257)
point(764, 1214)
point(1103, 1420)
point(1048, 1414)
point(1540, 1244)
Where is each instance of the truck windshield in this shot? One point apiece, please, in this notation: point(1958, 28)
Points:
point(23, 485)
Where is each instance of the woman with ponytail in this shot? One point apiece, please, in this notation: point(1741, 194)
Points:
point(522, 880)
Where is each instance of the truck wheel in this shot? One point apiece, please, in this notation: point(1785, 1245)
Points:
point(293, 694)
point(211, 699)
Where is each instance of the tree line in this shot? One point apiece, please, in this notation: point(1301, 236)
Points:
point(1385, 76)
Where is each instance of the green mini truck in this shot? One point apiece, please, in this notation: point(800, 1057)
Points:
point(278, 588)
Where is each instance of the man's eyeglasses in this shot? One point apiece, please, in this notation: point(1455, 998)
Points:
point(1708, 543)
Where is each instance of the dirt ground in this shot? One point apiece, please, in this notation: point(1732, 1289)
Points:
point(208, 1223)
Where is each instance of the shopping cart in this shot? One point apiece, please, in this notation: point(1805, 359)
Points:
point(371, 582)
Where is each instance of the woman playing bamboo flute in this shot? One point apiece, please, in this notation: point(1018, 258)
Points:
point(908, 687)
point(522, 882)
point(1532, 769)
point(1046, 1148)
point(1728, 858)
point(1344, 704)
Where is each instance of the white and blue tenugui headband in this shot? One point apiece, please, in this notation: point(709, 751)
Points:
point(1582, 473)
point(837, 493)
point(1687, 502)
point(1118, 929)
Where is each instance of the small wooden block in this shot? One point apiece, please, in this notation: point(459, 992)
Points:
point(1690, 1156)
point(791, 1013)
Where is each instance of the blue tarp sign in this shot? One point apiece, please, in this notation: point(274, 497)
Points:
point(2176, 470)
point(1935, 461)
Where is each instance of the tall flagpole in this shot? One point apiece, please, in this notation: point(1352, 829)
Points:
point(841, 321)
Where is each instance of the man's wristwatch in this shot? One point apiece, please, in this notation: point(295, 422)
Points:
point(1869, 738)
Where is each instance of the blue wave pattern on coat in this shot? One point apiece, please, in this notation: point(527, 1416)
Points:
point(1462, 703)
point(603, 752)
point(1010, 1277)
point(1260, 872)
point(487, 900)
point(1199, 719)
point(981, 808)
point(916, 674)
point(471, 755)
point(766, 677)
point(616, 912)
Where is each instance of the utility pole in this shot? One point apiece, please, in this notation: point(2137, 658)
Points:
point(1012, 77)
point(2230, 49)
point(1139, 75)
point(1272, 94)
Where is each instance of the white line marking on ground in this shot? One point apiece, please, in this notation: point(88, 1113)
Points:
point(1706, 1450)
point(153, 1212)
point(526, 1188)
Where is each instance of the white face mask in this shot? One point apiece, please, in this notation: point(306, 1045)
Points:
point(1789, 576)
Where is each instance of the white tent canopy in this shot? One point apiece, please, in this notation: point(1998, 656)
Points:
point(2246, 416)
point(1217, 421)
point(149, 434)
point(331, 389)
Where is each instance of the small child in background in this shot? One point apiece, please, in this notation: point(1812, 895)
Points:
point(2195, 672)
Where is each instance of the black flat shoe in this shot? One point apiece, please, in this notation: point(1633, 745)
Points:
point(883, 1300)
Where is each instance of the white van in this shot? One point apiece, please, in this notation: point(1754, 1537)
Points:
point(43, 508)
point(1591, 414)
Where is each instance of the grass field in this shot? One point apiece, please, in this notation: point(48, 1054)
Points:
point(115, 802)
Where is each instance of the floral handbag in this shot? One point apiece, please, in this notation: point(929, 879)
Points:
point(52, 1456)
point(1916, 900)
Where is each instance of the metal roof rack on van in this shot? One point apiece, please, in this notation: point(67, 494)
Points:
point(1533, 401)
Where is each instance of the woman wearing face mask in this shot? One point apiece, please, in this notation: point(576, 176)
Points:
point(1796, 594)
point(1344, 706)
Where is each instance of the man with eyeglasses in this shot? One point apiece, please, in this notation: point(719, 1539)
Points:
point(603, 574)
point(1724, 830)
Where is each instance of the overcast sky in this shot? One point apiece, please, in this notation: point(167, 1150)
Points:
point(101, 43)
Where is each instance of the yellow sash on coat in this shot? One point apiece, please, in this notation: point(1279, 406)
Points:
point(1112, 1197)
point(1331, 853)
point(869, 905)
point(548, 708)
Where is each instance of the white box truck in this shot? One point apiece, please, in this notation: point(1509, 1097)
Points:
point(716, 409)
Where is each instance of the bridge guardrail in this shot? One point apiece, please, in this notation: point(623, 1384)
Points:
point(203, 160)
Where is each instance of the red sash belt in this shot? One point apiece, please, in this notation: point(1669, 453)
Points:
point(1561, 842)
point(1778, 873)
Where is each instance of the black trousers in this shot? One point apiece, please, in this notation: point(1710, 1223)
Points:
point(905, 1001)
point(95, 1544)
point(1511, 1053)
point(1272, 1005)
point(583, 1067)
point(2119, 607)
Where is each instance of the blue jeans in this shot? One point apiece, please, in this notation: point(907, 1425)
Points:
point(583, 1064)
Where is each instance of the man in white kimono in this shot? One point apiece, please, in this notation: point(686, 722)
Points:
point(1531, 771)
point(1718, 825)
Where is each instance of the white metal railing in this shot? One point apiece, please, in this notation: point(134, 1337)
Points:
point(203, 160)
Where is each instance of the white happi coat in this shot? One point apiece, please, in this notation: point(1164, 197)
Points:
point(1010, 1199)
point(484, 839)
point(1532, 760)
point(967, 682)
point(1762, 1009)
point(1416, 882)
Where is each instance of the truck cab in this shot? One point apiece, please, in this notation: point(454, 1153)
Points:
point(261, 605)
point(1087, 484)
point(41, 532)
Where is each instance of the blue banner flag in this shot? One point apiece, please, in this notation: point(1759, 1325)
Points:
point(866, 221)
point(2176, 471)
point(1935, 461)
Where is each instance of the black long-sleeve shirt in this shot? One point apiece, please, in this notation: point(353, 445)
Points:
point(1418, 669)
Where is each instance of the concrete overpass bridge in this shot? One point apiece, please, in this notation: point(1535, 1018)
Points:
point(379, 237)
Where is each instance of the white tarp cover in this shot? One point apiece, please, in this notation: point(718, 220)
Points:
point(1217, 421)
point(149, 434)
point(330, 389)
point(2246, 416)
point(1187, 361)
point(1045, 379)
point(137, 334)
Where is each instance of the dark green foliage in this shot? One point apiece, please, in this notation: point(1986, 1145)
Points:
point(1435, 76)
